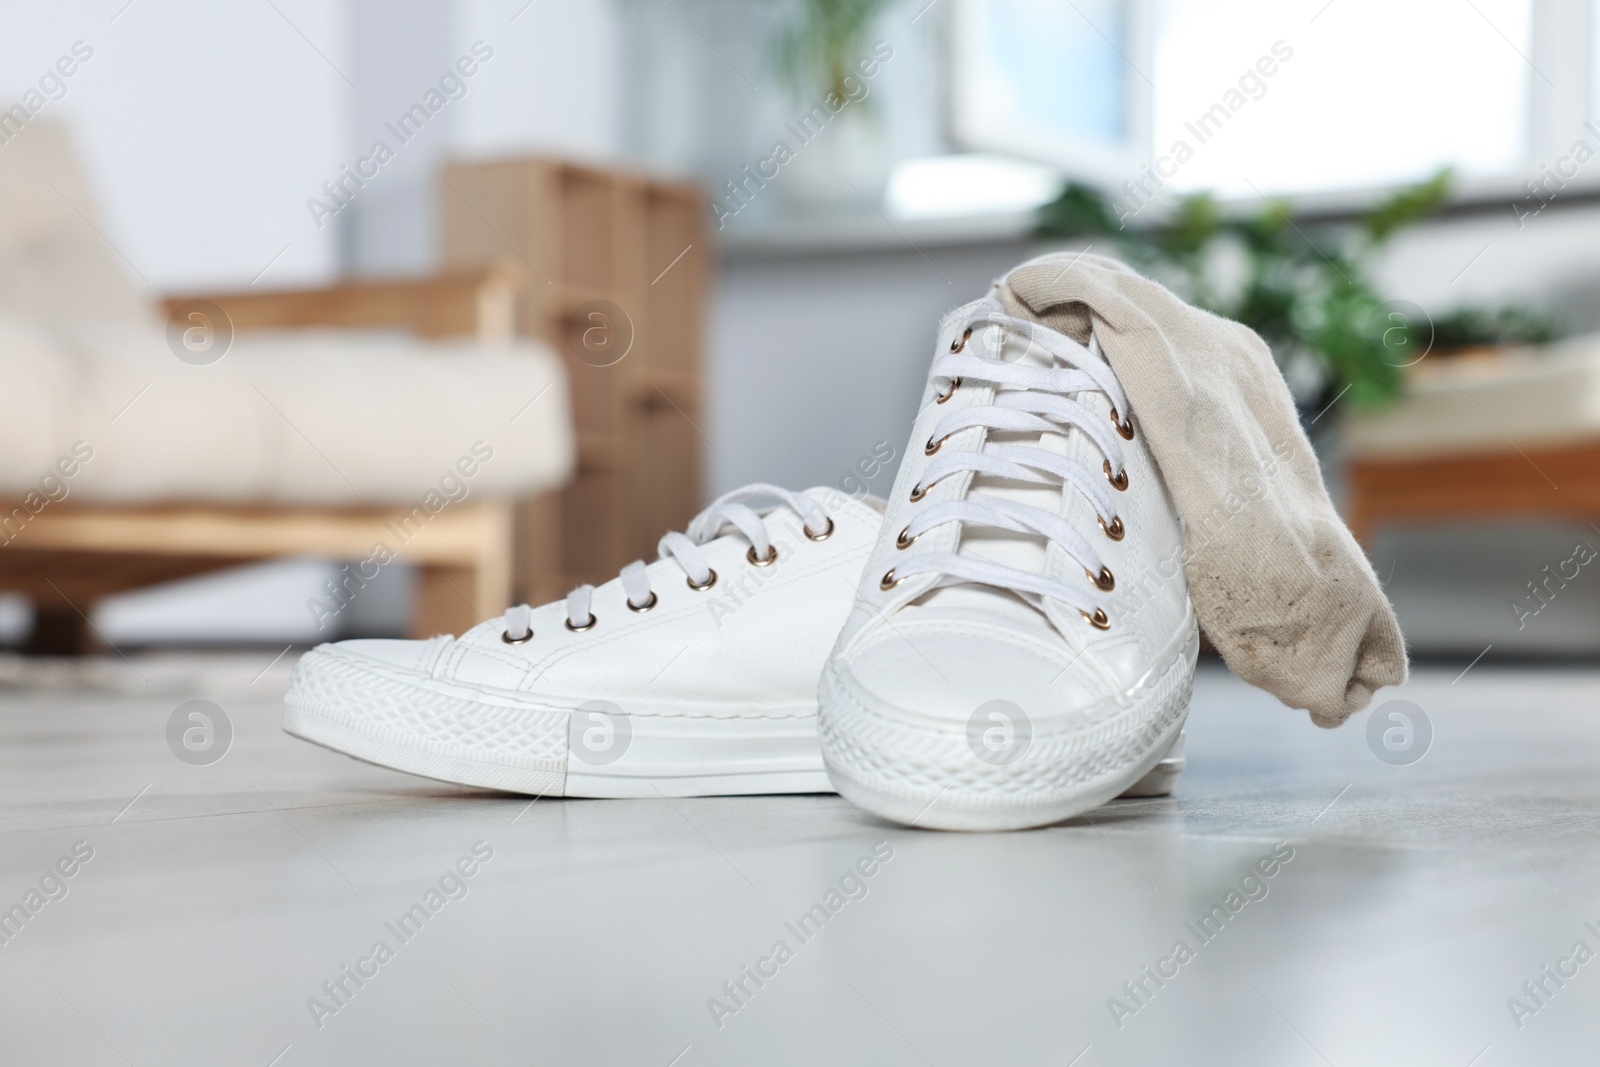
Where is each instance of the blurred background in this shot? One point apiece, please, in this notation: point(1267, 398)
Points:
point(337, 318)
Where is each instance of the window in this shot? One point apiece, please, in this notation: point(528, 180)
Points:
point(1052, 80)
point(1363, 92)
point(1271, 96)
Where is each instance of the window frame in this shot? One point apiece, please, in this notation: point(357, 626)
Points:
point(1563, 105)
point(973, 127)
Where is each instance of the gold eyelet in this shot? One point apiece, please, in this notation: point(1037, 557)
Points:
point(1104, 581)
point(505, 635)
point(956, 346)
point(904, 542)
point(640, 608)
point(593, 618)
point(1120, 482)
point(1116, 530)
point(823, 536)
point(933, 446)
point(772, 556)
point(1124, 428)
point(1099, 620)
point(889, 581)
point(919, 490)
point(955, 383)
point(711, 581)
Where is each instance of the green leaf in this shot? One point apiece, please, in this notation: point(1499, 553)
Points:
point(1408, 206)
point(1305, 288)
point(1473, 327)
point(1080, 210)
point(820, 42)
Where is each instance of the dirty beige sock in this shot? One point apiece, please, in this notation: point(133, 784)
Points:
point(1279, 584)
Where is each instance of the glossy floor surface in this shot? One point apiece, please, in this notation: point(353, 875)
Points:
point(1332, 907)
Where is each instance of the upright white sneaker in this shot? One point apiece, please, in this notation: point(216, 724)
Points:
point(693, 676)
point(1022, 645)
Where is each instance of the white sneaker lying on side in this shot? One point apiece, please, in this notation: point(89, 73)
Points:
point(693, 676)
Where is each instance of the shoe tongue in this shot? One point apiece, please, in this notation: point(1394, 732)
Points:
point(1021, 551)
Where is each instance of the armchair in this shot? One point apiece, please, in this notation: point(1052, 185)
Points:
point(367, 421)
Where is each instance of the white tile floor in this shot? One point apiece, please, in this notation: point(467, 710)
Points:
point(220, 899)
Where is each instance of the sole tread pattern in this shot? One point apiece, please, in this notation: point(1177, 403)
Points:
point(890, 767)
point(399, 711)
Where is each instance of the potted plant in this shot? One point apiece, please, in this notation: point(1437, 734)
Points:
point(1306, 289)
point(821, 51)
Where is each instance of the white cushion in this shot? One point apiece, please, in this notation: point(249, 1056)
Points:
point(316, 417)
point(1531, 397)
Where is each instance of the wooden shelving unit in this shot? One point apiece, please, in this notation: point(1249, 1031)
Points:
point(593, 240)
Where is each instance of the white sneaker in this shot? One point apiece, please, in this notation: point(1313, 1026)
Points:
point(693, 676)
point(1022, 646)
point(709, 689)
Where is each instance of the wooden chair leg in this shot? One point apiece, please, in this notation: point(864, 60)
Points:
point(58, 632)
point(445, 601)
point(451, 598)
point(537, 575)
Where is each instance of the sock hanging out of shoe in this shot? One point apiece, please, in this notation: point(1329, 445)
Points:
point(1278, 582)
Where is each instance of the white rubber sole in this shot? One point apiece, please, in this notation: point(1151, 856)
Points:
point(502, 740)
point(1162, 779)
point(919, 771)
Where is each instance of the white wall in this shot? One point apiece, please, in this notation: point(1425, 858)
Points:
point(207, 127)
point(549, 85)
point(815, 358)
point(1552, 260)
point(400, 49)
point(204, 126)
point(555, 84)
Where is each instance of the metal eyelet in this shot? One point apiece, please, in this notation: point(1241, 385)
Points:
point(956, 346)
point(710, 581)
point(904, 542)
point(593, 618)
point(642, 608)
point(919, 490)
point(1099, 620)
point(1104, 581)
point(955, 383)
point(1120, 482)
point(933, 446)
point(823, 536)
point(505, 635)
point(889, 581)
point(772, 556)
point(1116, 530)
point(1124, 428)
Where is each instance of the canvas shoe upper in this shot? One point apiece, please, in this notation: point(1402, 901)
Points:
point(1022, 643)
point(692, 675)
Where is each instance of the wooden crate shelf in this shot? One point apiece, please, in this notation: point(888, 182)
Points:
point(588, 234)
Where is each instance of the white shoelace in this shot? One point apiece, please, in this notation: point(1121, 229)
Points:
point(728, 509)
point(1028, 399)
